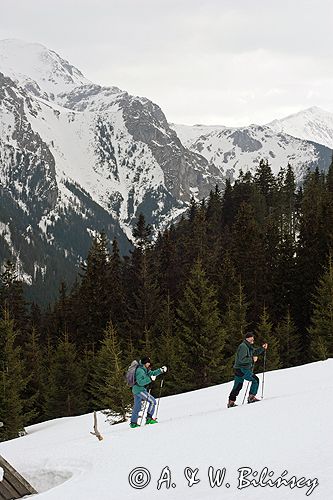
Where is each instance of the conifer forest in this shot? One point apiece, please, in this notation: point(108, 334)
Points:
point(255, 256)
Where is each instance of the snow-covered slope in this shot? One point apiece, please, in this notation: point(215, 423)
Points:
point(78, 157)
point(312, 124)
point(289, 433)
point(95, 153)
point(38, 69)
point(234, 149)
point(188, 134)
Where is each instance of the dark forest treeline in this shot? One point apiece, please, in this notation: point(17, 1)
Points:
point(256, 257)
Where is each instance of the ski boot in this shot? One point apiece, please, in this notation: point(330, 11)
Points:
point(151, 420)
point(231, 404)
point(133, 425)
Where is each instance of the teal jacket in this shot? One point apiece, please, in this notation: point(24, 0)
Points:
point(244, 355)
point(142, 378)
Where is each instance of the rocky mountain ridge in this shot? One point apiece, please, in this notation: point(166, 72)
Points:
point(77, 158)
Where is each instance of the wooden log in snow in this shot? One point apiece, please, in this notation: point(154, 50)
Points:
point(96, 431)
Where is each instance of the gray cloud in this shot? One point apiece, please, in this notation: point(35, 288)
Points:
point(212, 61)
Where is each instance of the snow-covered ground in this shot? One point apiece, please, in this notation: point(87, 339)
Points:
point(289, 433)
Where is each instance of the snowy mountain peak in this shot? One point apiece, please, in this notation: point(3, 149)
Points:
point(38, 69)
point(314, 124)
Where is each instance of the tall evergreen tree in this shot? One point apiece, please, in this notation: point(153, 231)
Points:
point(167, 263)
point(321, 329)
point(145, 295)
point(200, 330)
point(330, 177)
point(116, 286)
point(12, 299)
point(289, 201)
point(12, 382)
point(111, 394)
point(264, 333)
point(312, 248)
point(33, 364)
point(235, 325)
point(167, 349)
point(283, 284)
point(65, 397)
point(289, 341)
point(93, 300)
point(248, 256)
point(142, 233)
point(226, 280)
point(265, 180)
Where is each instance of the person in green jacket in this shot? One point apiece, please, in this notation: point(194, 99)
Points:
point(143, 377)
point(245, 358)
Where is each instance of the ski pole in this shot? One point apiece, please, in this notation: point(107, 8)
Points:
point(247, 388)
point(263, 377)
point(159, 396)
point(144, 408)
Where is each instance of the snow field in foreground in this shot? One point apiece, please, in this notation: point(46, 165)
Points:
point(291, 430)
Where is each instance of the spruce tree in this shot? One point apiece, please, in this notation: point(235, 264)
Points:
point(144, 299)
point(33, 365)
point(283, 286)
point(111, 394)
point(248, 256)
point(116, 286)
point(271, 241)
point(88, 361)
point(235, 325)
point(321, 329)
point(167, 263)
point(12, 382)
point(289, 203)
point(226, 280)
point(228, 206)
point(167, 349)
point(264, 333)
point(12, 299)
point(312, 248)
point(265, 180)
point(200, 330)
point(93, 301)
point(289, 341)
point(65, 396)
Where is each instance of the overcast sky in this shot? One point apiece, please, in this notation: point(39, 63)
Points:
point(210, 61)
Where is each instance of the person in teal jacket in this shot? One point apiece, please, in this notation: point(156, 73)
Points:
point(143, 377)
point(245, 358)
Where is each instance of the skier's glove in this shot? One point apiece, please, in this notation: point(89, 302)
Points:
point(163, 369)
point(153, 377)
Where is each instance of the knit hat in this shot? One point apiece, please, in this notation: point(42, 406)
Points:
point(249, 335)
point(145, 359)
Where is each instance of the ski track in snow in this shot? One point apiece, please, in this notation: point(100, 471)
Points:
point(290, 429)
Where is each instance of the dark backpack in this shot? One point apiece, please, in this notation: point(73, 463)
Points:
point(130, 374)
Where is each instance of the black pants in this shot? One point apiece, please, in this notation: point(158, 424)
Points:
point(240, 376)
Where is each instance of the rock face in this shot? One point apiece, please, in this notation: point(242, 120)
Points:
point(28, 167)
point(233, 149)
point(77, 158)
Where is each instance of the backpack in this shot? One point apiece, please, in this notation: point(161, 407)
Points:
point(130, 374)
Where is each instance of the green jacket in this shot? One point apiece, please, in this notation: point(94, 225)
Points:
point(244, 355)
point(142, 378)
